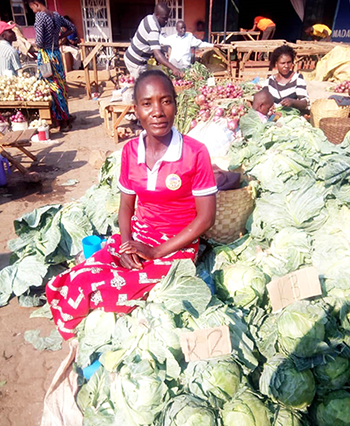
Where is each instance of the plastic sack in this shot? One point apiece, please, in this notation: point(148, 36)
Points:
point(45, 70)
point(215, 136)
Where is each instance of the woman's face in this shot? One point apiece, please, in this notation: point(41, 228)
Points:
point(284, 65)
point(155, 106)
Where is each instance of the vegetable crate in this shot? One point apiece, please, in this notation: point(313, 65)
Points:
point(43, 107)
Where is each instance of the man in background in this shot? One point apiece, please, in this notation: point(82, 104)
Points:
point(181, 44)
point(146, 42)
point(9, 57)
point(265, 25)
point(319, 32)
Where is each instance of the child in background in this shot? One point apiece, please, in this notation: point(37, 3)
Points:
point(262, 104)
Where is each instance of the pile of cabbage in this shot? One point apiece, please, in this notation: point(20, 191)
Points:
point(290, 368)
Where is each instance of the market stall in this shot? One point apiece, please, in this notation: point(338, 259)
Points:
point(113, 56)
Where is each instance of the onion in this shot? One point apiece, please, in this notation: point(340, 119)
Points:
point(232, 124)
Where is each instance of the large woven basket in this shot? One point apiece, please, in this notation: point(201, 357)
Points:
point(232, 211)
point(323, 108)
point(335, 128)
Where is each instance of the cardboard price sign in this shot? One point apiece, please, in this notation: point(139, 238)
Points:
point(206, 343)
point(295, 286)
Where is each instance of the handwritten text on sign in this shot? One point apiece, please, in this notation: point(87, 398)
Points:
point(206, 343)
point(295, 286)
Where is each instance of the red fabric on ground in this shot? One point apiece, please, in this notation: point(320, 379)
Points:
point(102, 283)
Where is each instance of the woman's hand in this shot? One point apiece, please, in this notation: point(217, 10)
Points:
point(287, 102)
point(135, 248)
point(130, 261)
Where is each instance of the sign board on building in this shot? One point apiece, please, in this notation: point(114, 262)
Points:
point(341, 24)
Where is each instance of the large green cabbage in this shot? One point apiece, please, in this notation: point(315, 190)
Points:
point(334, 410)
point(335, 374)
point(215, 380)
point(301, 329)
point(283, 383)
point(290, 248)
point(285, 417)
point(245, 409)
point(188, 410)
point(243, 284)
point(139, 391)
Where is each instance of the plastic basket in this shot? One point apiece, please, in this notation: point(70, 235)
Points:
point(335, 128)
point(324, 108)
point(232, 211)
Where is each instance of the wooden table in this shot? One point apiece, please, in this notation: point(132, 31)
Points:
point(89, 52)
point(218, 36)
point(113, 114)
point(44, 107)
point(19, 139)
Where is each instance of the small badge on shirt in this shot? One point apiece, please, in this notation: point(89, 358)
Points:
point(173, 182)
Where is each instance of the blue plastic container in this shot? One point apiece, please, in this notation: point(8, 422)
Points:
point(91, 245)
point(91, 369)
point(3, 163)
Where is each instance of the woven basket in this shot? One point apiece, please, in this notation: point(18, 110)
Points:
point(335, 129)
point(179, 89)
point(232, 211)
point(323, 108)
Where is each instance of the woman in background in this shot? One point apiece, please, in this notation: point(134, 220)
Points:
point(287, 86)
point(47, 33)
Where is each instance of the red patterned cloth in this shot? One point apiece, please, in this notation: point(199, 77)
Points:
point(102, 283)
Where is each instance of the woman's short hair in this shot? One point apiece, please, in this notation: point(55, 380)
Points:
point(277, 53)
point(152, 73)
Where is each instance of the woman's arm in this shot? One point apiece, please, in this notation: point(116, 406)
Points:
point(206, 209)
point(295, 103)
point(303, 101)
point(126, 212)
point(39, 26)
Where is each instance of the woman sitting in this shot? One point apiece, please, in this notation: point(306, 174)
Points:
point(287, 87)
point(172, 178)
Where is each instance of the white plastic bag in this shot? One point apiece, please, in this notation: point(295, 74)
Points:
point(215, 136)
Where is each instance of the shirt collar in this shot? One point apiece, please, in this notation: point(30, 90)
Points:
point(5, 42)
point(172, 154)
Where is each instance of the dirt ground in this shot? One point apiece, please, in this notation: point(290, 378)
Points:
point(28, 372)
point(25, 373)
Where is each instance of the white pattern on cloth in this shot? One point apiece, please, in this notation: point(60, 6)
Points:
point(96, 298)
point(118, 282)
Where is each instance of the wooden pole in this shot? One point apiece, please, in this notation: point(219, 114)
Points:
point(210, 19)
point(225, 20)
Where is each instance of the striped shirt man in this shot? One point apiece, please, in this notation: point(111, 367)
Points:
point(9, 59)
point(294, 89)
point(145, 40)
